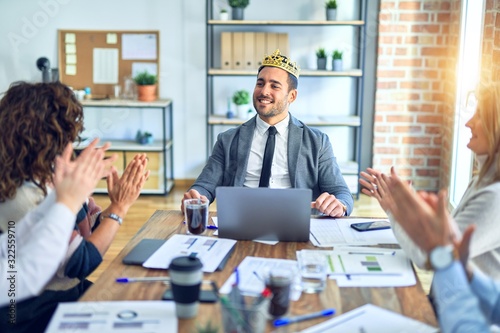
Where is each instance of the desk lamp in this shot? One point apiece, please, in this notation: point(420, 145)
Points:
point(43, 64)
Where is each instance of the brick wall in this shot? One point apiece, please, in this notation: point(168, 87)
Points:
point(415, 88)
point(491, 42)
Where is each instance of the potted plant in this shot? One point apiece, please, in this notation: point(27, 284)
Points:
point(331, 10)
point(321, 58)
point(144, 138)
point(146, 86)
point(337, 61)
point(238, 7)
point(223, 15)
point(242, 100)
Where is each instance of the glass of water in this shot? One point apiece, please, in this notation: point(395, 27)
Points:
point(312, 264)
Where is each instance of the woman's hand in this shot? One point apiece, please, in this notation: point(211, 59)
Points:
point(123, 191)
point(375, 186)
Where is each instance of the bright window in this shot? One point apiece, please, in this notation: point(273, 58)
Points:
point(468, 76)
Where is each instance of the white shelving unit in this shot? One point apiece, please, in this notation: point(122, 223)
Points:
point(348, 120)
point(160, 152)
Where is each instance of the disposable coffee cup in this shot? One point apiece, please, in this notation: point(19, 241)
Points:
point(185, 280)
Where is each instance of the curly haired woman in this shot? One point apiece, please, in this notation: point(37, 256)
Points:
point(38, 121)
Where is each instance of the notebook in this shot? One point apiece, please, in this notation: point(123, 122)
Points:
point(263, 213)
point(142, 251)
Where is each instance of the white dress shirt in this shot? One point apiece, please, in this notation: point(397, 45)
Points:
point(40, 240)
point(280, 177)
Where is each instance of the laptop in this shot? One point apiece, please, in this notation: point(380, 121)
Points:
point(264, 213)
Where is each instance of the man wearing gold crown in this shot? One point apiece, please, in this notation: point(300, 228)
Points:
point(302, 157)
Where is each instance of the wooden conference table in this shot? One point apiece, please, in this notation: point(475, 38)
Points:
point(409, 301)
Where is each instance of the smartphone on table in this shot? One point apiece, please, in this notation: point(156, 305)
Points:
point(370, 226)
point(209, 293)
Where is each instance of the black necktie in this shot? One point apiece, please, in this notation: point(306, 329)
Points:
point(268, 158)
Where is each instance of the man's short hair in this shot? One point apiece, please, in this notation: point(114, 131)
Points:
point(292, 81)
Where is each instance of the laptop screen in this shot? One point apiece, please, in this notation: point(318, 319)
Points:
point(264, 213)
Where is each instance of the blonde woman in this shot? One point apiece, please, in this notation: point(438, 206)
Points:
point(480, 203)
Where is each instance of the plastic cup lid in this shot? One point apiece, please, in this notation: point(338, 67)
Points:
point(185, 264)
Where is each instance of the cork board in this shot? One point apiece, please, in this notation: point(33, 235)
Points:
point(102, 59)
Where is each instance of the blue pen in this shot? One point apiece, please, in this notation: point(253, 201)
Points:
point(149, 279)
point(237, 277)
point(286, 321)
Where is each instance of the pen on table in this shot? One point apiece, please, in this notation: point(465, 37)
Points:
point(349, 276)
point(367, 274)
point(374, 253)
point(235, 294)
point(236, 276)
point(258, 276)
point(286, 321)
point(147, 279)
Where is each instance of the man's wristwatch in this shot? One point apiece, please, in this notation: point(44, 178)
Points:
point(442, 257)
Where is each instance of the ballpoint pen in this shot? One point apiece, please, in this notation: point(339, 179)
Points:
point(350, 275)
point(235, 294)
point(266, 293)
point(147, 279)
point(374, 253)
point(258, 276)
point(236, 277)
point(286, 321)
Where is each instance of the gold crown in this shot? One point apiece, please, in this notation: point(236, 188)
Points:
point(281, 61)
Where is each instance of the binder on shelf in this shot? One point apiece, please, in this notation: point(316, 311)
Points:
point(260, 45)
point(283, 44)
point(238, 51)
point(248, 41)
point(271, 42)
point(226, 50)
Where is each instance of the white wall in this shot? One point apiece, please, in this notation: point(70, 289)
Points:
point(28, 30)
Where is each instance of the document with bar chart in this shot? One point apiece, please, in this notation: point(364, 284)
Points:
point(368, 267)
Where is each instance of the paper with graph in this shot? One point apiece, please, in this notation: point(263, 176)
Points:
point(369, 267)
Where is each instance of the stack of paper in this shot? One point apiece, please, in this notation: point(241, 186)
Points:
point(371, 319)
point(108, 317)
point(211, 251)
point(369, 267)
point(332, 232)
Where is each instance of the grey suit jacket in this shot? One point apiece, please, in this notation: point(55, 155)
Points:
point(311, 162)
